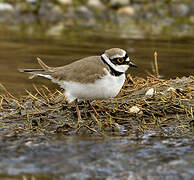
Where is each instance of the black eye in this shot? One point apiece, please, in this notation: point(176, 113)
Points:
point(120, 60)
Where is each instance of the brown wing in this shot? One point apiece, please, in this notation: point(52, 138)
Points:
point(86, 70)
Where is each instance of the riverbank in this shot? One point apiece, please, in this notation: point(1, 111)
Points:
point(134, 19)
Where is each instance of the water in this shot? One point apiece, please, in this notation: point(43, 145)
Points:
point(175, 57)
point(61, 157)
point(149, 157)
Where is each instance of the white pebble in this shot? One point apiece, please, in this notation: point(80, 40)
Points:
point(5, 7)
point(134, 110)
point(150, 92)
point(65, 2)
point(171, 89)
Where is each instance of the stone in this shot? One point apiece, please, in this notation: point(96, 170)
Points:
point(134, 110)
point(150, 92)
point(119, 129)
point(84, 12)
point(147, 15)
point(178, 163)
point(184, 26)
point(180, 10)
point(138, 1)
point(32, 1)
point(65, 2)
point(22, 7)
point(56, 30)
point(119, 3)
point(95, 3)
point(128, 10)
point(191, 19)
point(6, 7)
point(171, 89)
point(57, 10)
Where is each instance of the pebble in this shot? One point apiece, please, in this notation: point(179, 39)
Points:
point(134, 110)
point(65, 2)
point(120, 129)
point(14, 103)
point(128, 10)
point(32, 1)
point(56, 30)
point(84, 12)
point(57, 10)
point(29, 143)
point(178, 163)
point(119, 3)
point(28, 104)
point(150, 92)
point(138, 1)
point(180, 10)
point(6, 7)
point(184, 26)
point(95, 3)
point(148, 15)
point(171, 89)
point(22, 7)
point(192, 19)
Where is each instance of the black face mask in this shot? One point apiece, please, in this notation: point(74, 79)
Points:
point(112, 70)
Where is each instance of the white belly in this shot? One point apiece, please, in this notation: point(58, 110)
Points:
point(107, 87)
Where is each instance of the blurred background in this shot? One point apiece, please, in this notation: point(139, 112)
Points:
point(62, 31)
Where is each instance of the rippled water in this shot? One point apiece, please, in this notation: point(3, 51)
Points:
point(150, 157)
point(60, 157)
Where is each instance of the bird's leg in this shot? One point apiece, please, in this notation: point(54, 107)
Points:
point(92, 107)
point(79, 118)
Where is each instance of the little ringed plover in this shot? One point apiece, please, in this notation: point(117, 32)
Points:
point(90, 78)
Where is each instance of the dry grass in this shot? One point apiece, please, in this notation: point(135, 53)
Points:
point(168, 111)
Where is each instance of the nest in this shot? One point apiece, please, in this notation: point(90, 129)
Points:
point(144, 106)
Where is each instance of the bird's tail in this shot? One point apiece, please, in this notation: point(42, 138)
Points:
point(45, 71)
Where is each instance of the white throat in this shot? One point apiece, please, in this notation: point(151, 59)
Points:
point(119, 68)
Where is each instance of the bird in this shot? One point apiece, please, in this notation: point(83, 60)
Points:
point(90, 78)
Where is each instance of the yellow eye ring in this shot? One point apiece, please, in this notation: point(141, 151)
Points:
point(120, 60)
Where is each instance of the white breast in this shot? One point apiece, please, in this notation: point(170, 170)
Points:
point(106, 87)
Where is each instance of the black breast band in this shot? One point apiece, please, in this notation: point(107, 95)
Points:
point(112, 70)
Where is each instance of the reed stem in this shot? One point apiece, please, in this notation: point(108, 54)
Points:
point(156, 64)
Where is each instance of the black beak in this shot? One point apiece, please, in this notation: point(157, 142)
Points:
point(132, 65)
